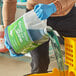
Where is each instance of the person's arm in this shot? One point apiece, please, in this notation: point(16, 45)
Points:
point(8, 11)
point(63, 4)
point(56, 7)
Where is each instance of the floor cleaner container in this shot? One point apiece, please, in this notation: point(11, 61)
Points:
point(26, 33)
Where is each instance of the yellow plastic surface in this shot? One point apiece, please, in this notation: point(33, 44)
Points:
point(55, 72)
point(70, 55)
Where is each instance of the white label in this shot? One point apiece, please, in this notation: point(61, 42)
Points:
point(2, 43)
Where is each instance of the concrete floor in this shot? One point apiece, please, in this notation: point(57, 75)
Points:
point(11, 67)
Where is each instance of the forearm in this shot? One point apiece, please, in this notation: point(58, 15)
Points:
point(9, 9)
point(62, 4)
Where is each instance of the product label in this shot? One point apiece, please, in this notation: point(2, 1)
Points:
point(2, 43)
point(19, 36)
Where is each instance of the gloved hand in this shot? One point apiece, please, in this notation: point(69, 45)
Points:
point(11, 51)
point(43, 11)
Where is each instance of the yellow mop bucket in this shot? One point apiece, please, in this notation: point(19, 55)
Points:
point(70, 60)
point(55, 72)
point(70, 55)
